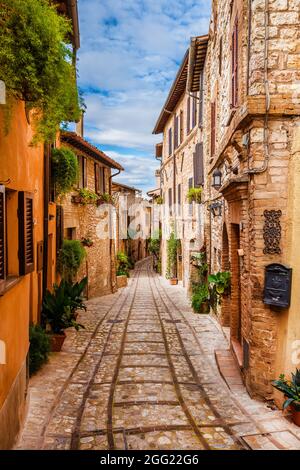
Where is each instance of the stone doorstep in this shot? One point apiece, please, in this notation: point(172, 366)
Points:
point(228, 369)
point(277, 440)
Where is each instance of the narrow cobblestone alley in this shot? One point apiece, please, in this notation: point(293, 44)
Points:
point(143, 375)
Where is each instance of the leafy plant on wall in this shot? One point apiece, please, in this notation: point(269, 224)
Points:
point(40, 71)
point(172, 249)
point(70, 258)
point(64, 170)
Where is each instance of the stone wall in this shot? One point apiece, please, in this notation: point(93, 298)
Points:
point(99, 264)
point(253, 151)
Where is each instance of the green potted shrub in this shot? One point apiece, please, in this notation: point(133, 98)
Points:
point(200, 299)
point(158, 200)
point(154, 249)
point(59, 310)
point(291, 391)
point(39, 348)
point(172, 249)
point(123, 264)
point(194, 195)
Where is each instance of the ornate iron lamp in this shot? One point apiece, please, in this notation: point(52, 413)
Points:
point(216, 208)
point(217, 179)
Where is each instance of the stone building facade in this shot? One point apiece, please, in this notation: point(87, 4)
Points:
point(181, 154)
point(131, 215)
point(83, 221)
point(251, 138)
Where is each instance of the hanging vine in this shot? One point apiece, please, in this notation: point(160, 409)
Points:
point(36, 63)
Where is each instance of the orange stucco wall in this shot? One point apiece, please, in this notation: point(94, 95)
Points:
point(21, 165)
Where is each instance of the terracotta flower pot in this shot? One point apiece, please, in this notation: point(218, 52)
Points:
point(296, 414)
point(173, 281)
point(57, 341)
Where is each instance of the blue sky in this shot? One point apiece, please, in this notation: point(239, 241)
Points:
point(130, 53)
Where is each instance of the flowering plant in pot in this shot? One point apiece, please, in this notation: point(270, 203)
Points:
point(59, 310)
point(291, 391)
point(172, 249)
point(104, 198)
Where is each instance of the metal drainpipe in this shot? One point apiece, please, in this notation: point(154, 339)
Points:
point(111, 241)
point(46, 215)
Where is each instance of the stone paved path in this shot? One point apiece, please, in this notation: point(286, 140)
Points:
point(142, 375)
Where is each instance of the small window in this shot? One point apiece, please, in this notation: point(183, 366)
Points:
point(26, 237)
point(194, 112)
point(170, 141)
point(82, 175)
point(213, 129)
point(191, 184)
point(99, 179)
point(170, 200)
point(234, 67)
point(176, 130)
point(188, 115)
point(179, 198)
point(201, 99)
point(181, 126)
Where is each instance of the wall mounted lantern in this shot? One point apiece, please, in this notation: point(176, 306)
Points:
point(217, 179)
point(216, 208)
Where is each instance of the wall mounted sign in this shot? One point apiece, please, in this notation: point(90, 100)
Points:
point(272, 232)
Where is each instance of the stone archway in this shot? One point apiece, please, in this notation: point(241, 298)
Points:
point(225, 307)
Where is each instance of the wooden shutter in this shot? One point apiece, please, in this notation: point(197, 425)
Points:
point(96, 174)
point(188, 115)
point(59, 227)
point(170, 200)
point(198, 166)
point(26, 245)
point(234, 72)
point(190, 205)
point(170, 142)
point(213, 129)
point(84, 172)
point(181, 124)
point(201, 96)
point(194, 112)
point(2, 235)
point(176, 132)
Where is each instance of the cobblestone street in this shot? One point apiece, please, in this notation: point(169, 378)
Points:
point(143, 375)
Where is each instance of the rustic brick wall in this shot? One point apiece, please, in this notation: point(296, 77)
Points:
point(245, 137)
point(99, 264)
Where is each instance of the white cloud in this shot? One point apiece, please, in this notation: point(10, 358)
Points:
point(129, 56)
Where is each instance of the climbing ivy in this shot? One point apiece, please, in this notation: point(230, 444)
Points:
point(64, 170)
point(36, 63)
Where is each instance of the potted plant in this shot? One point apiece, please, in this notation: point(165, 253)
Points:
point(291, 391)
point(158, 200)
point(194, 195)
point(85, 196)
point(39, 348)
point(172, 249)
point(104, 198)
point(59, 310)
point(200, 299)
point(86, 241)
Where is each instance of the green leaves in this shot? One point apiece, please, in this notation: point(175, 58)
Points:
point(172, 249)
point(194, 195)
point(290, 389)
point(39, 348)
point(200, 296)
point(64, 170)
point(36, 63)
point(123, 264)
point(59, 306)
point(70, 258)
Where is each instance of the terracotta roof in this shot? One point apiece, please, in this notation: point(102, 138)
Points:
point(197, 55)
point(81, 144)
point(177, 89)
point(121, 185)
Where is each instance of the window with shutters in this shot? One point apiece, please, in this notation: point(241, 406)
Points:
point(82, 171)
point(198, 166)
point(99, 178)
point(26, 238)
point(170, 141)
point(213, 129)
point(191, 184)
point(188, 115)
point(234, 67)
point(2, 236)
point(170, 200)
point(176, 130)
point(179, 198)
point(201, 99)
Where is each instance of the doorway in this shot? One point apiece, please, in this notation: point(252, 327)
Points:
point(236, 306)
